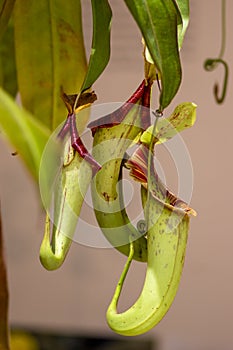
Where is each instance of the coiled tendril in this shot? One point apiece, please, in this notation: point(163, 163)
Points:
point(211, 63)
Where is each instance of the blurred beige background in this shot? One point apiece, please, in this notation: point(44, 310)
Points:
point(75, 297)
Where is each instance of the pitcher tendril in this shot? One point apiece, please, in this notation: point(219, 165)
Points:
point(212, 63)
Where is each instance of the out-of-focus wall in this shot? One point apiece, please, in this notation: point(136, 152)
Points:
point(76, 297)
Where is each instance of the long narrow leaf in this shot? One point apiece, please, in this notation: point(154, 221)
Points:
point(100, 51)
point(158, 20)
point(24, 132)
point(49, 55)
point(8, 76)
point(6, 8)
point(183, 8)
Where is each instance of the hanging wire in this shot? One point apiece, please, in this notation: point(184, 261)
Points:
point(212, 63)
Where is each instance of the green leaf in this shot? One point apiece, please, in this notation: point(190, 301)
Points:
point(24, 132)
point(158, 20)
point(183, 8)
point(49, 55)
point(100, 51)
point(182, 117)
point(8, 76)
point(6, 8)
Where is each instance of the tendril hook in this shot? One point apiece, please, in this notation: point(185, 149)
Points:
point(210, 65)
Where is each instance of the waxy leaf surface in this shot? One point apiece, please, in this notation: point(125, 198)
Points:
point(100, 51)
point(6, 8)
point(183, 8)
point(8, 75)
point(24, 132)
point(158, 21)
point(49, 54)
